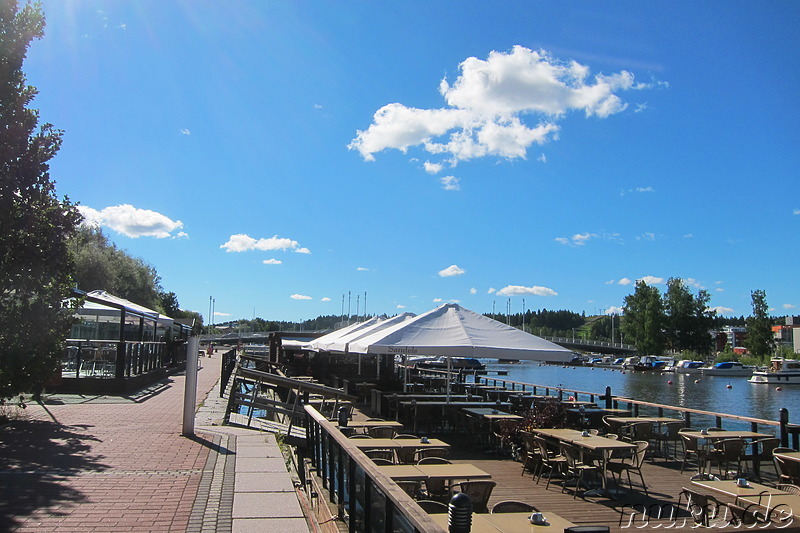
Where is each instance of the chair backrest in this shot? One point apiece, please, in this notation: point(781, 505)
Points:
point(641, 451)
point(380, 454)
point(529, 442)
point(510, 506)
point(381, 432)
point(739, 516)
point(689, 443)
point(542, 445)
point(698, 505)
point(788, 487)
point(671, 429)
point(643, 430)
point(433, 461)
point(430, 452)
point(410, 487)
point(730, 448)
point(571, 453)
point(432, 506)
point(360, 436)
point(767, 446)
point(405, 436)
point(478, 492)
point(381, 461)
point(612, 436)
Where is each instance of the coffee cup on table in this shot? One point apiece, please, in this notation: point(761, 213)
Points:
point(742, 482)
point(537, 518)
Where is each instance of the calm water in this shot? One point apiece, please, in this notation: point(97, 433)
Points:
point(710, 394)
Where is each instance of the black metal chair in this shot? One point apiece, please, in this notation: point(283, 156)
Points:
point(511, 506)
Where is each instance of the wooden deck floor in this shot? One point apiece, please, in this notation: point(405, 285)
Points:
point(630, 510)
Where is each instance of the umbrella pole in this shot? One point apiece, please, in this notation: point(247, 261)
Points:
point(449, 368)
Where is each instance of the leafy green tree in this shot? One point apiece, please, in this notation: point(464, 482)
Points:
point(100, 265)
point(35, 265)
point(688, 321)
point(760, 341)
point(169, 304)
point(643, 320)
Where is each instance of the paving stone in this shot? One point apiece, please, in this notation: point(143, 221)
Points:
point(266, 504)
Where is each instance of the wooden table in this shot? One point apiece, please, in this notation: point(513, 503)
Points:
point(593, 443)
point(726, 434)
point(374, 424)
point(781, 505)
point(731, 488)
point(792, 456)
point(509, 523)
point(397, 444)
point(464, 471)
point(491, 414)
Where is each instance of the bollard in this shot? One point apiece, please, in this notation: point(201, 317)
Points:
point(190, 387)
point(342, 416)
point(459, 514)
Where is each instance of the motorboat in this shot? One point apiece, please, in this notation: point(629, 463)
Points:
point(646, 362)
point(442, 363)
point(781, 372)
point(687, 366)
point(728, 368)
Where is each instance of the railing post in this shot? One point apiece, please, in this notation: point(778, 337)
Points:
point(784, 421)
point(608, 398)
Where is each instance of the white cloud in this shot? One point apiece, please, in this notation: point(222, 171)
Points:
point(796, 212)
point(647, 236)
point(486, 104)
point(450, 183)
point(491, 290)
point(242, 242)
point(362, 269)
point(473, 290)
point(326, 299)
point(185, 131)
point(613, 310)
point(542, 158)
point(272, 261)
point(303, 251)
point(300, 297)
point(437, 300)
point(400, 306)
point(625, 281)
point(694, 283)
point(719, 289)
point(688, 236)
point(433, 168)
point(218, 313)
point(452, 270)
point(651, 280)
point(519, 290)
point(721, 310)
point(132, 222)
point(644, 189)
point(579, 239)
point(789, 306)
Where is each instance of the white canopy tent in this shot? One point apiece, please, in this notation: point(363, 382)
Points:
point(451, 330)
point(321, 343)
point(341, 344)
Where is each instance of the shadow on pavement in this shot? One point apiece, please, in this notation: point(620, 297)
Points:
point(37, 458)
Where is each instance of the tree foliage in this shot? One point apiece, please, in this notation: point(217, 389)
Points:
point(35, 266)
point(760, 341)
point(644, 319)
point(100, 265)
point(688, 320)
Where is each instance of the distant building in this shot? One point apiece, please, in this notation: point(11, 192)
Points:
point(732, 337)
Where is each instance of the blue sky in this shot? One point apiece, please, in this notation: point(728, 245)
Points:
point(278, 155)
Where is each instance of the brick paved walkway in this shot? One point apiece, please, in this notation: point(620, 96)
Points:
point(116, 464)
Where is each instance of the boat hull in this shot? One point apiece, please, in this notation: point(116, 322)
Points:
point(737, 373)
point(776, 378)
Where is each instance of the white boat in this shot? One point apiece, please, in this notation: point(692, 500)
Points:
point(728, 368)
point(781, 372)
point(689, 367)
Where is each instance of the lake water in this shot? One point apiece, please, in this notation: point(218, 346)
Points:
point(710, 394)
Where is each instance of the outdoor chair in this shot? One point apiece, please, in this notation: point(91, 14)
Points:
point(531, 457)
point(702, 507)
point(432, 507)
point(669, 434)
point(642, 431)
point(616, 467)
point(380, 454)
point(726, 452)
point(611, 426)
point(360, 436)
point(788, 487)
point(788, 470)
point(576, 467)
point(434, 461)
point(691, 449)
point(381, 432)
point(555, 463)
point(478, 492)
point(412, 488)
point(430, 452)
point(761, 452)
point(510, 506)
point(382, 461)
point(740, 517)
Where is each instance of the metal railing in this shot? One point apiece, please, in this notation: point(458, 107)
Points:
point(367, 500)
point(103, 359)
